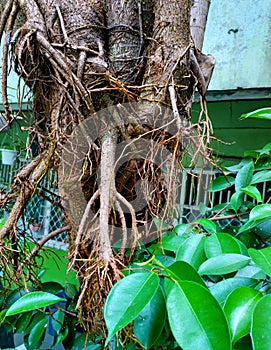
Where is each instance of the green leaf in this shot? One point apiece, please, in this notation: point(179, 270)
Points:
point(253, 192)
point(258, 214)
point(221, 183)
point(236, 200)
point(57, 320)
point(172, 242)
point(52, 287)
point(181, 271)
point(33, 301)
point(196, 319)
point(238, 310)
point(263, 229)
point(61, 335)
point(222, 289)
point(23, 322)
point(261, 324)
point(251, 271)
point(183, 229)
point(207, 224)
point(127, 299)
point(223, 264)
point(262, 211)
point(37, 333)
point(149, 324)
point(14, 296)
point(262, 113)
point(192, 250)
point(83, 343)
point(262, 258)
point(261, 176)
point(221, 243)
point(244, 176)
point(36, 317)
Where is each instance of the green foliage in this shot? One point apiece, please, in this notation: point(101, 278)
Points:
point(203, 285)
point(31, 313)
point(214, 288)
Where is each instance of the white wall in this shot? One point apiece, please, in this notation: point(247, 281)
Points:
point(243, 58)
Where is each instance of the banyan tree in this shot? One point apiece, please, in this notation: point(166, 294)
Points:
point(112, 84)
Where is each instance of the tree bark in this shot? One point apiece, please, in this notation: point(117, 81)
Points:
point(80, 56)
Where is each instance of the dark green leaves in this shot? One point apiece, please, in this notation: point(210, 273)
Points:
point(221, 183)
point(261, 324)
point(262, 258)
point(221, 243)
point(244, 176)
point(258, 214)
point(238, 310)
point(196, 319)
point(192, 250)
point(150, 322)
point(262, 113)
point(127, 299)
point(223, 264)
point(33, 301)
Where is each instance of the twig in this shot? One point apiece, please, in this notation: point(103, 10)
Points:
point(45, 239)
point(62, 25)
point(173, 100)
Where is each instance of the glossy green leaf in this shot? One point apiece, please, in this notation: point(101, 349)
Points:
point(183, 229)
point(258, 215)
point(263, 229)
point(261, 324)
point(236, 201)
point(52, 287)
point(238, 309)
point(260, 212)
point(34, 320)
point(262, 258)
point(243, 248)
point(61, 335)
point(221, 183)
point(207, 224)
point(37, 333)
point(251, 271)
point(253, 192)
point(196, 319)
point(127, 299)
point(221, 243)
point(14, 296)
point(57, 320)
point(33, 301)
point(244, 176)
point(149, 324)
point(261, 176)
point(262, 113)
point(181, 271)
point(222, 289)
point(23, 322)
point(223, 264)
point(236, 167)
point(192, 250)
point(172, 242)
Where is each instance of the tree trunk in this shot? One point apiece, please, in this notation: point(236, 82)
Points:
point(79, 57)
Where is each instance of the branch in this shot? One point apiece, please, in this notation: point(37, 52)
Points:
point(45, 239)
point(38, 171)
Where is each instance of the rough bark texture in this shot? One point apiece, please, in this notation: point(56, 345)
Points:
point(78, 57)
point(199, 13)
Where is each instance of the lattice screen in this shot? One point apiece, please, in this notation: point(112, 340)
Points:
point(193, 192)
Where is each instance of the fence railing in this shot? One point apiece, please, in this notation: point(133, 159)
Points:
point(50, 217)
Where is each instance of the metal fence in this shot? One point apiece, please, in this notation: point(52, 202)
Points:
point(41, 216)
point(193, 194)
